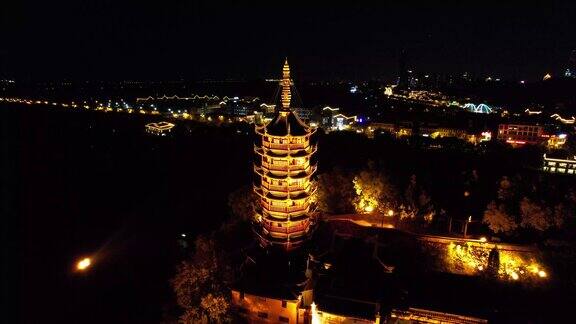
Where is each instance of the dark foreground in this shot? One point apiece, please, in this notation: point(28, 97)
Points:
point(81, 183)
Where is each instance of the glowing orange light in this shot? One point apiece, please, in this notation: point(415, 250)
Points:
point(542, 274)
point(84, 264)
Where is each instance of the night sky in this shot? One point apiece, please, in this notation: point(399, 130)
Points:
point(193, 40)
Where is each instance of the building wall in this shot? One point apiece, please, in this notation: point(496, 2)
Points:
point(559, 166)
point(327, 318)
point(520, 134)
point(254, 307)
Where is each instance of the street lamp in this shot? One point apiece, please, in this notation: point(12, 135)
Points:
point(83, 264)
point(390, 213)
point(542, 274)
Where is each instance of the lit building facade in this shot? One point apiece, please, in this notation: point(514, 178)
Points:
point(333, 120)
point(283, 166)
point(553, 165)
point(520, 134)
point(517, 134)
point(161, 128)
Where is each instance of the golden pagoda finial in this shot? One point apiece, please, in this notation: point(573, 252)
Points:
point(286, 95)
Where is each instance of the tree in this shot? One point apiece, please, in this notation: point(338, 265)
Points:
point(533, 215)
point(561, 212)
point(200, 285)
point(506, 190)
point(541, 218)
point(373, 190)
point(498, 219)
point(335, 192)
point(411, 192)
point(242, 202)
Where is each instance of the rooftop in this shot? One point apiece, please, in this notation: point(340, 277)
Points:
point(287, 123)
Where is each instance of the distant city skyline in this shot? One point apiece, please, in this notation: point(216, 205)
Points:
point(195, 40)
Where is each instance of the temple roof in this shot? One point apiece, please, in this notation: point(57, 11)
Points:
point(273, 276)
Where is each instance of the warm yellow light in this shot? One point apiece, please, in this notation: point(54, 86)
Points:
point(514, 275)
point(83, 264)
point(369, 208)
point(314, 313)
point(483, 239)
point(466, 193)
point(390, 212)
point(542, 274)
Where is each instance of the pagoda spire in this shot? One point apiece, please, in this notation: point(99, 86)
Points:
point(286, 83)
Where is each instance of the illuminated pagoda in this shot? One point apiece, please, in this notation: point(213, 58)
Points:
point(283, 165)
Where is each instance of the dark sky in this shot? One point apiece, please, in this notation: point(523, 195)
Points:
point(168, 40)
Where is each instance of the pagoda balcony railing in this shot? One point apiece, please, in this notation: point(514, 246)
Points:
point(285, 167)
point(287, 230)
point(278, 146)
point(295, 174)
point(294, 243)
point(284, 188)
point(285, 209)
point(300, 152)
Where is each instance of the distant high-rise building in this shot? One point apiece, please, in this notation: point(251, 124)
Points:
point(403, 82)
point(571, 70)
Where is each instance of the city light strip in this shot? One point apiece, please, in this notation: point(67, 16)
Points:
point(175, 97)
point(530, 112)
point(515, 142)
point(564, 120)
point(102, 108)
point(346, 117)
point(559, 160)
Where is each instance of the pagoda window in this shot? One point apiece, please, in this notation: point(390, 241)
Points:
point(278, 203)
point(297, 161)
point(279, 162)
point(279, 224)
